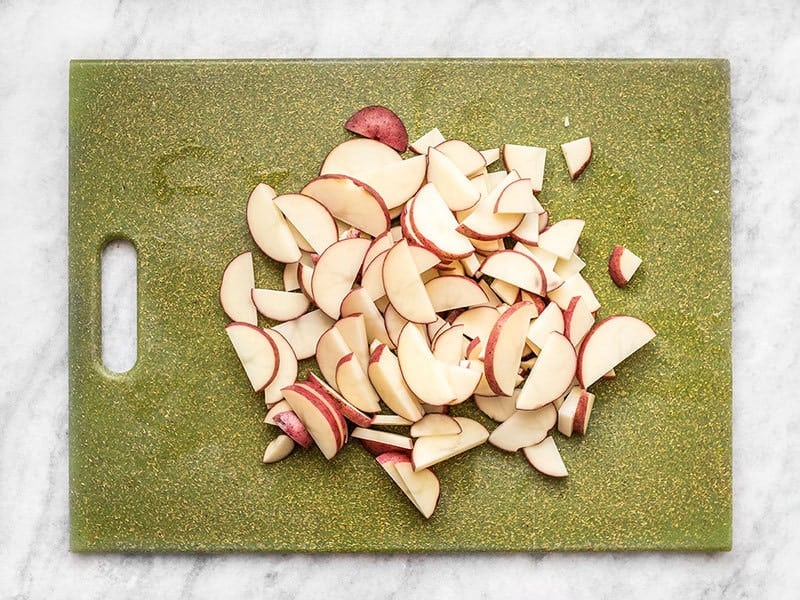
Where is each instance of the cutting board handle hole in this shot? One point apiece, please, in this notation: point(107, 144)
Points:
point(118, 282)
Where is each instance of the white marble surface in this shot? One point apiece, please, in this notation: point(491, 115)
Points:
point(36, 41)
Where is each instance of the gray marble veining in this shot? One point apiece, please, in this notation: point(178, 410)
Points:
point(36, 41)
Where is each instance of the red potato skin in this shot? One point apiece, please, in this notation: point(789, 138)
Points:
point(376, 354)
point(408, 227)
point(586, 164)
point(329, 409)
point(587, 337)
point(379, 123)
point(379, 448)
point(369, 189)
point(292, 426)
point(614, 270)
point(349, 412)
point(473, 343)
point(567, 314)
point(392, 457)
point(492, 342)
point(579, 422)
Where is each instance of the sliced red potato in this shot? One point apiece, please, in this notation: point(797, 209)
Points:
point(578, 320)
point(372, 277)
point(551, 374)
point(470, 264)
point(545, 458)
point(277, 408)
point(404, 287)
point(335, 273)
point(576, 285)
point(433, 137)
point(517, 197)
point(490, 155)
point(379, 123)
point(268, 226)
point(377, 441)
point(278, 449)
point(234, 293)
point(394, 323)
point(310, 218)
point(463, 380)
point(448, 345)
point(287, 368)
point(420, 368)
point(386, 377)
point(354, 385)
point(435, 226)
point(495, 178)
point(507, 292)
point(431, 450)
point(354, 332)
point(256, 351)
point(292, 426)
point(566, 268)
point(398, 181)
point(524, 428)
point(451, 183)
point(433, 329)
point(334, 407)
point(517, 269)
point(504, 347)
point(454, 291)
point(560, 238)
point(577, 153)
point(324, 423)
point(359, 301)
point(497, 408)
point(574, 412)
point(378, 246)
point(290, 281)
point(477, 321)
point(546, 259)
point(304, 332)
point(622, 264)
point(331, 347)
point(609, 342)
point(305, 273)
point(483, 223)
point(528, 161)
point(527, 231)
point(349, 412)
point(550, 319)
point(422, 487)
point(467, 159)
point(279, 305)
point(475, 349)
point(390, 421)
point(435, 424)
point(494, 299)
point(351, 201)
point(358, 156)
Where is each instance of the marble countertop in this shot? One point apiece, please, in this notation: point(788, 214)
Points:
point(39, 38)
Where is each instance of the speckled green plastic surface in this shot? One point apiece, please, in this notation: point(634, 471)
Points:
point(167, 457)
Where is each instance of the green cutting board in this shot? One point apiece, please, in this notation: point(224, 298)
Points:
point(167, 457)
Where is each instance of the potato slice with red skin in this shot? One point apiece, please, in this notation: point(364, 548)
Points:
point(622, 264)
point(234, 291)
point(379, 123)
point(256, 351)
point(504, 347)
